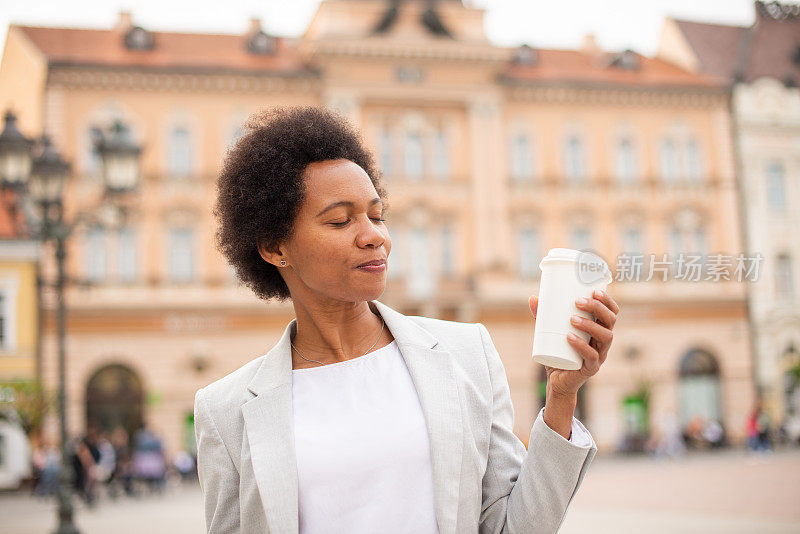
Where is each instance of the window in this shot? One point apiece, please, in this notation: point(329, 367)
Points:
point(385, 150)
point(529, 252)
point(776, 186)
point(448, 251)
point(180, 152)
point(693, 161)
point(632, 241)
point(625, 161)
point(669, 164)
point(3, 323)
point(581, 239)
point(181, 254)
point(397, 255)
point(91, 159)
point(784, 283)
point(414, 159)
point(421, 276)
point(441, 155)
point(96, 254)
point(575, 167)
point(675, 242)
point(521, 161)
point(700, 241)
point(126, 254)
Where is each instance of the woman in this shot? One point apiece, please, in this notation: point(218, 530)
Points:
point(362, 419)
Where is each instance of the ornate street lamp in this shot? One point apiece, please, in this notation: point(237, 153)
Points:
point(120, 157)
point(15, 154)
point(40, 176)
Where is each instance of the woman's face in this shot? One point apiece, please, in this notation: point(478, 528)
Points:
point(338, 227)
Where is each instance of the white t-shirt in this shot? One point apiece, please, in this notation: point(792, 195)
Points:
point(362, 449)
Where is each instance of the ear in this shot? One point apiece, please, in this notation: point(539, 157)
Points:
point(269, 253)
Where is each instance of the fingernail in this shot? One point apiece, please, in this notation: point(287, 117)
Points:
point(572, 336)
point(600, 293)
point(582, 300)
point(576, 319)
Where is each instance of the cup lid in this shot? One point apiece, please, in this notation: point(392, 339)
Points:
point(590, 267)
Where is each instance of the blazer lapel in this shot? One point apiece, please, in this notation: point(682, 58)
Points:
point(270, 429)
point(433, 374)
point(270, 434)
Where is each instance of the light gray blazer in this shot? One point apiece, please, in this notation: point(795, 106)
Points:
point(484, 479)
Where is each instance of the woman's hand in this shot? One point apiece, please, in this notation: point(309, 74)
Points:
point(566, 383)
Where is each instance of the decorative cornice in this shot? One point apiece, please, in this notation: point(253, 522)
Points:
point(371, 48)
point(68, 76)
point(611, 94)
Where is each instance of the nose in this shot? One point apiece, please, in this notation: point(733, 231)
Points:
point(371, 236)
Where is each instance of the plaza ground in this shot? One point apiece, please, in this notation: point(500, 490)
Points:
point(729, 491)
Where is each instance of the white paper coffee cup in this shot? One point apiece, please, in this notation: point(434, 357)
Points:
point(567, 275)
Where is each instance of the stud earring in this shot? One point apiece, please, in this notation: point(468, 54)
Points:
point(283, 263)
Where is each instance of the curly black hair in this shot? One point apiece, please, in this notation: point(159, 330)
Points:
point(261, 186)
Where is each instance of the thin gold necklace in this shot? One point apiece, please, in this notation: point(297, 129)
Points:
point(369, 349)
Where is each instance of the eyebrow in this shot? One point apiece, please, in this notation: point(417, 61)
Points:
point(347, 203)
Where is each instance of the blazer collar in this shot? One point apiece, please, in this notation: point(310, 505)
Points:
point(270, 426)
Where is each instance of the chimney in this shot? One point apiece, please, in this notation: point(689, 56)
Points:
point(124, 22)
point(589, 45)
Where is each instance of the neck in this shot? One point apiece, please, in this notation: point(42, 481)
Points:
point(335, 333)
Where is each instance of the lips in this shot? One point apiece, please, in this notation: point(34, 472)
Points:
point(373, 262)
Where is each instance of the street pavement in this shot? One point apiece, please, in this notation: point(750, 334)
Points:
point(722, 492)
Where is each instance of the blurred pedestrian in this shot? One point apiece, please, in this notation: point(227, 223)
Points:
point(123, 467)
point(149, 462)
point(85, 456)
point(672, 443)
point(46, 463)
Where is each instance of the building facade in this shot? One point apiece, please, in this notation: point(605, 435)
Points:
point(491, 156)
point(762, 64)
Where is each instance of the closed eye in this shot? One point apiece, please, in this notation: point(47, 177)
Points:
point(340, 224)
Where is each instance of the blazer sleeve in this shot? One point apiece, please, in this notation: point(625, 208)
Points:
point(526, 491)
point(219, 479)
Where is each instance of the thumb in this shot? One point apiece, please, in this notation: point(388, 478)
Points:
point(533, 303)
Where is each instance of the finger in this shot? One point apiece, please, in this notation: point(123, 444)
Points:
point(599, 310)
point(533, 303)
point(591, 358)
point(606, 299)
point(600, 333)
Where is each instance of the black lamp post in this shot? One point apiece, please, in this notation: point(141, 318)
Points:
point(42, 179)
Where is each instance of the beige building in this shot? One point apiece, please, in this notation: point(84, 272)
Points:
point(491, 156)
point(762, 62)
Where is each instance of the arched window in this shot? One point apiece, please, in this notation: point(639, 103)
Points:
point(420, 283)
point(180, 152)
point(529, 249)
point(575, 164)
point(699, 387)
point(386, 149)
point(784, 279)
point(625, 161)
point(115, 398)
point(776, 185)
point(669, 161)
point(414, 157)
point(694, 162)
point(127, 254)
point(96, 254)
point(448, 251)
point(632, 241)
point(181, 254)
point(441, 155)
point(581, 238)
point(521, 157)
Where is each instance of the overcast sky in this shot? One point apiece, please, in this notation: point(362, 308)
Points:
point(618, 24)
